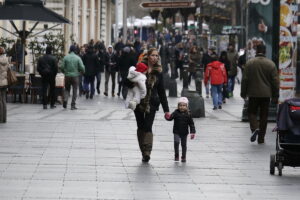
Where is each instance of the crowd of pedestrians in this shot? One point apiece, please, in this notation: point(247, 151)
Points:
point(138, 70)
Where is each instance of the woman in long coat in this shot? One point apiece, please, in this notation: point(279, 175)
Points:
point(146, 110)
point(3, 84)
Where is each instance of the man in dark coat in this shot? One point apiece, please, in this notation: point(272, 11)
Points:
point(110, 70)
point(126, 60)
point(90, 61)
point(260, 82)
point(47, 67)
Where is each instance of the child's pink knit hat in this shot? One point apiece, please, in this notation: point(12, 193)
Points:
point(183, 100)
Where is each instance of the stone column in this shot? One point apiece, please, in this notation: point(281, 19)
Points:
point(98, 19)
point(92, 19)
point(84, 22)
point(75, 20)
point(68, 27)
point(108, 23)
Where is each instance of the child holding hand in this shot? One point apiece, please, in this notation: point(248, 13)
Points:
point(182, 122)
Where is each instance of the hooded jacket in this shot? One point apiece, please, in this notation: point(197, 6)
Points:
point(3, 70)
point(216, 72)
point(139, 90)
point(111, 61)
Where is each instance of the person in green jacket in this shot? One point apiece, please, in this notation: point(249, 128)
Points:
point(260, 83)
point(72, 67)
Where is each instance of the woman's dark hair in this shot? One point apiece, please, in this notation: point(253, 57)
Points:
point(223, 56)
point(2, 51)
point(214, 57)
point(192, 48)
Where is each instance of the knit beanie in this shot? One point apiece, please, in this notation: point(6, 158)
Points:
point(183, 100)
point(141, 67)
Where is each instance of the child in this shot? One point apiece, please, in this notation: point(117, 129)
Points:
point(182, 121)
point(139, 91)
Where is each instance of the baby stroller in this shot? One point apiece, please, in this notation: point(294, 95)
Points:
point(288, 136)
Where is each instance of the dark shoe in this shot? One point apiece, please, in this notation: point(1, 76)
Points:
point(176, 158)
point(183, 159)
point(74, 108)
point(105, 93)
point(64, 104)
point(98, 90)
point(87, 95)
point(44, 107)
point(207, 96)
point(118, 94)
point(254, 135)
point(215, 108)
point(113, 94)
point(220, 107)
point(260, 139)
point(91, 96)
point(146, 159)
point(52, 106)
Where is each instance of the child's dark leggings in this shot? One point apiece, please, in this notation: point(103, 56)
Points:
point(177, 140)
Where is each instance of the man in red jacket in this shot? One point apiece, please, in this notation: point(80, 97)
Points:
point(216, 73)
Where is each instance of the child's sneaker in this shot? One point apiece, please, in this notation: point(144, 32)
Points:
point(176, 158)
point(183, 159)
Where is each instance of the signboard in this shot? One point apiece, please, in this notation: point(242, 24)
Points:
point(288, 48)
point(260, 27)
point(171, 4)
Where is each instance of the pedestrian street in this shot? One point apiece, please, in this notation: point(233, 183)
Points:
point(92, 153)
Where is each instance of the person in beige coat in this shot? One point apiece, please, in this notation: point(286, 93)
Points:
point(3, 84)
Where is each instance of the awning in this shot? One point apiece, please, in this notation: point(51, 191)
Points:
point(29, 10)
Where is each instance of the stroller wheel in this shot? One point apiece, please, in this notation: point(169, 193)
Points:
point(272, 164)
point(280, 167)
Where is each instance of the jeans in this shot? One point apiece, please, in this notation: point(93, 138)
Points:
point(98, 77)
point(89, 84)
point(48, 81)
point(71, 81)
point(207, 88)
point(231, 82)
point(113, 79)
point(216, 93)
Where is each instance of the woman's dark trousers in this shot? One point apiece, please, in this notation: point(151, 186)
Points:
point(144, 131)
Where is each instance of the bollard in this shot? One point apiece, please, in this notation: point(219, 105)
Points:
point(167, 78)
point(196, 103)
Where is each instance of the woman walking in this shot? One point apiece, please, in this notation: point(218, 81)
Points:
point(3, 84)
point(146, 110)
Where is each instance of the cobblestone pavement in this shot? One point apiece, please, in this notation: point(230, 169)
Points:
point(92, 153)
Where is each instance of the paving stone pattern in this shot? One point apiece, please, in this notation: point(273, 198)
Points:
point(92, 153)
